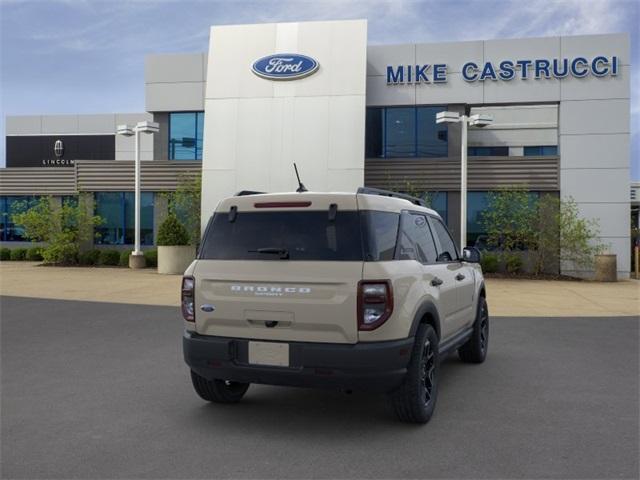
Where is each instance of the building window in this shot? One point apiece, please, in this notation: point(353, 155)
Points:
point(9, 206)
point(405, 132)
point(439, 202)
point(541, 151)
point(117, 212)
point(185, 135)
point(488, 151)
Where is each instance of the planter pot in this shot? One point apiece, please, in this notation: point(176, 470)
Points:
point(606, 269)
point(175, 260)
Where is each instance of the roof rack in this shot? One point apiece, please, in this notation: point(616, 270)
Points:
point(244, 193)
point(389, 193)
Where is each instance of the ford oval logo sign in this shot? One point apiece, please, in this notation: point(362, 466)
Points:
point(285, 66)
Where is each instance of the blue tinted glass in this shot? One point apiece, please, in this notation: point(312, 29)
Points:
point(146, 218)
point(9, 206)
point(117, 211)
point(477, 202)
point(438, 201)
point(432, 137)
point(532, 151)
point(185, 135)
point(374, 133)
point(550, 150)
point(541, 150)
point(400, 127)
point(109, 208)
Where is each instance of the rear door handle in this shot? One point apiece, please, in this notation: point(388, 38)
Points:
point(460, 277)
point(436, 282)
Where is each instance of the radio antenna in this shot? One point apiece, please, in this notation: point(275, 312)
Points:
point(301, 187)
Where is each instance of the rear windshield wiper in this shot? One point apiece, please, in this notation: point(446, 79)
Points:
point(283, 252)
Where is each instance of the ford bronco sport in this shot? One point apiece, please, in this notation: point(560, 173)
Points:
point(363, 291)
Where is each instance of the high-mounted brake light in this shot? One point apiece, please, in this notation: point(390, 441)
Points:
point(188, 299)
point(375, 303)
point(281, 204)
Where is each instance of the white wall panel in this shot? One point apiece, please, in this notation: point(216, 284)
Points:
point(23, 125)
point(521, 91)
point(173, 68)
point(594, 117)
point(595, 151)
point(105, 124)
point(455, 90)
point(174, 97)
point(54, 124)
point(453, 54)
point(590, 46)
point(612, 218)
point(381, 94)
point(515, 137)
point(596, 185)
point(592, 88)
point(521, 49)
point(379, 56)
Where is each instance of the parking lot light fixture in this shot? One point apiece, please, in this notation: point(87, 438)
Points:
point(477, 120)
point(136, 259)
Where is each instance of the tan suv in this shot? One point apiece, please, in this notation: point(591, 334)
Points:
point(356, 291)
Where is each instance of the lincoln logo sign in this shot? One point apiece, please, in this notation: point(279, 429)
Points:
point(285, 66)
point(506, 70)
point(58, 148)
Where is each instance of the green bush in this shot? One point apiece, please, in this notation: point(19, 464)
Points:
point(18, 253)
point(513, 263)
point(151, 258)
point(124, 258)
point(172, 232)
point(34, 254)
point(5, 254)
point(489, 262)
point(89, 257)
point(109, 257)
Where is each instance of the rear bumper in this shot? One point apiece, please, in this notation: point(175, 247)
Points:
point(375, 366)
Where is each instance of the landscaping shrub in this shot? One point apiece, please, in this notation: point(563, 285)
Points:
point(124, 258)
point(5, 254)
point(513, 263)
point(489, 262)
point(109, 257)
point(34, 254)
point(172, 233)
point(89, 257)
point(151, 258)
point(18, 253)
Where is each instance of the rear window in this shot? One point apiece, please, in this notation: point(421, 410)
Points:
point(294, 235)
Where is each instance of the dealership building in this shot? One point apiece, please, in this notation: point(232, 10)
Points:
point(349, 114)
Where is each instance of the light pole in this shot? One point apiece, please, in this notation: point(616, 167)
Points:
point(478, 120)
point(136, 259)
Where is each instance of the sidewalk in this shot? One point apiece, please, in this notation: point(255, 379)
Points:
point(513, 298)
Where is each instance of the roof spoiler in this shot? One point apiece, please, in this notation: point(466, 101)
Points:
point(389, 193)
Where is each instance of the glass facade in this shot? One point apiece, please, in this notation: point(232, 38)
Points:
point(541, 151)
point(117, 212)
point(10, 205)
point(185, 135)
point(488, 151)
point(401, 132)
point(439, 202)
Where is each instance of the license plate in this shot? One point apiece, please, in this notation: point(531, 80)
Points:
point(269, 353)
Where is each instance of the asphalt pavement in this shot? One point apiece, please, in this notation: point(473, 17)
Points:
point(99, 390)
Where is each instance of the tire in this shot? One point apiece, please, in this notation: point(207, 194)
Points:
point(415, 400)
point(218, 391)
point(475, 350)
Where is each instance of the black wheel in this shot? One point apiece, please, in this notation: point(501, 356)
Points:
point(475, 350)
point(415, 400)
point(218, 391)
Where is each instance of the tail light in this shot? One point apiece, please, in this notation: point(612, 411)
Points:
point(375, 303)
point(188, 299)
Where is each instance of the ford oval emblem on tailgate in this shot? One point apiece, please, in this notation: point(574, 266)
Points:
point(284, 66)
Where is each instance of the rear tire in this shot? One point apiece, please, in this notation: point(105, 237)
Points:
point(415, 400)
point(218, 391)
point(475, 350)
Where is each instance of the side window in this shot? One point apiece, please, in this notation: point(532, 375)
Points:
point(416, 242)
point(447, 248)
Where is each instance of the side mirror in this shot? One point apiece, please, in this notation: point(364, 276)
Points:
point(471, 255)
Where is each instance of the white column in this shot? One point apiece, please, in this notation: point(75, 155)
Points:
point(463, 184)
point(136, 248)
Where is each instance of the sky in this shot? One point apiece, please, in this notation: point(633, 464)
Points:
point(87, 56)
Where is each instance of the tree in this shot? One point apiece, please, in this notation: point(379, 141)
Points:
point(184, 203)
point(509, 219)
point(62, 227)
